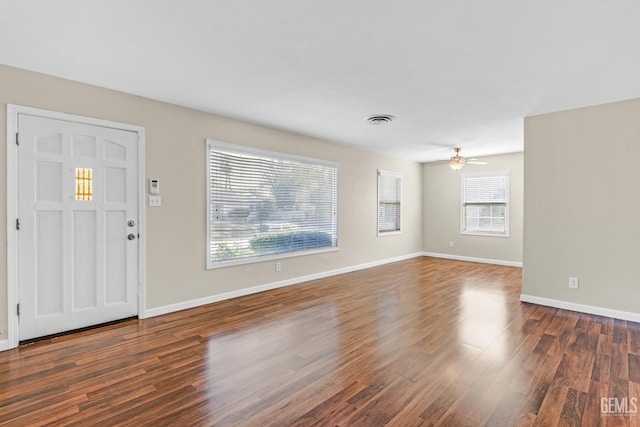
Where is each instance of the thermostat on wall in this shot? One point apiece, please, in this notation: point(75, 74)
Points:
point(154, 186)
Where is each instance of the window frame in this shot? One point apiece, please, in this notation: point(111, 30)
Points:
point(397, 175)
point(501, 173)
point(212, 144)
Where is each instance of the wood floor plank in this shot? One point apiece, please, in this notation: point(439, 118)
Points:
point(592, 414)
point(573, 408)
point(618, 390)
point(620, 331)
point(601, 368)
point(333, 409)
point(634, 367)
point(421, 342)
point(551, 408)
point(619, 362)
point(633, 336)
point(634, 398)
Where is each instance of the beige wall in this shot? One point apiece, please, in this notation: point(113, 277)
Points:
point(441, 212)
point(175, 148)
point(582, 205)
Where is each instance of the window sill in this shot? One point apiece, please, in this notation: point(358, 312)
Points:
point(388, 233)
point(212, 265)
point(485, 234)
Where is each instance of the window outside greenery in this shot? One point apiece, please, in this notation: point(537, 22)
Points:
point(267, 204)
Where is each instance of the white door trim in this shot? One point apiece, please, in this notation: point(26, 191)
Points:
point(13, 337)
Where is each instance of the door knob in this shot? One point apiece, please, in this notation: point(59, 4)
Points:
point(131, 236)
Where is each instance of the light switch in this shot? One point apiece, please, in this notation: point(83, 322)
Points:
point(155, 201)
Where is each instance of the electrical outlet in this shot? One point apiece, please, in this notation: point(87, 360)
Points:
point(573, 282)
point(451, 243)
point(278, 267)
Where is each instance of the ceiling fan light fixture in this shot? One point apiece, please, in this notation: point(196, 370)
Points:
point(456, 162)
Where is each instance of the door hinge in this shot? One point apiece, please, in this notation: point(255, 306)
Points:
point(17, 223)
point(18, 309)
point(17, 139)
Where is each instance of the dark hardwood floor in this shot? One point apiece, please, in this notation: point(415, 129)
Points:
point(416, 343)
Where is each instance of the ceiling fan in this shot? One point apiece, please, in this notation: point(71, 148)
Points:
point(457, 162)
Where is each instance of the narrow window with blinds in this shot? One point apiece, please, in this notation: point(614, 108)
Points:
point(264, 205)
point(389, 202)
point(485, 204)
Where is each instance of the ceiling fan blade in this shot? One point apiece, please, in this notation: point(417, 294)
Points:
point(438, 162)
point(475, 161)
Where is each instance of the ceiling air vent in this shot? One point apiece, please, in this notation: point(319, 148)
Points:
point(379, 119)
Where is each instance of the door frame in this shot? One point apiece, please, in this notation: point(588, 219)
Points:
point(13, 291)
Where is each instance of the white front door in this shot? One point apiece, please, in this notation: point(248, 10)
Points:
point(78, 225)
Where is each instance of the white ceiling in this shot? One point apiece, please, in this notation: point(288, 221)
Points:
point(454, 73)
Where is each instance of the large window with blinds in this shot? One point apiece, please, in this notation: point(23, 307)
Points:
point(263, 205)
point(389, 202)
point(485, 204)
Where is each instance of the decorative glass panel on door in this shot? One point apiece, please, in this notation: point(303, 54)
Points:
point(84, 184)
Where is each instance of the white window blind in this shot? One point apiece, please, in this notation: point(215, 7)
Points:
point(485, 203)
point(389, 202)
point(265, 204)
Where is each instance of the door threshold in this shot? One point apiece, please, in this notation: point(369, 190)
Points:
point(77, 332)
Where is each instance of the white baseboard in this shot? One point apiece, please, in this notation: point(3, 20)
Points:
point(581, 308)
point(157, 311)
point(473, 259)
